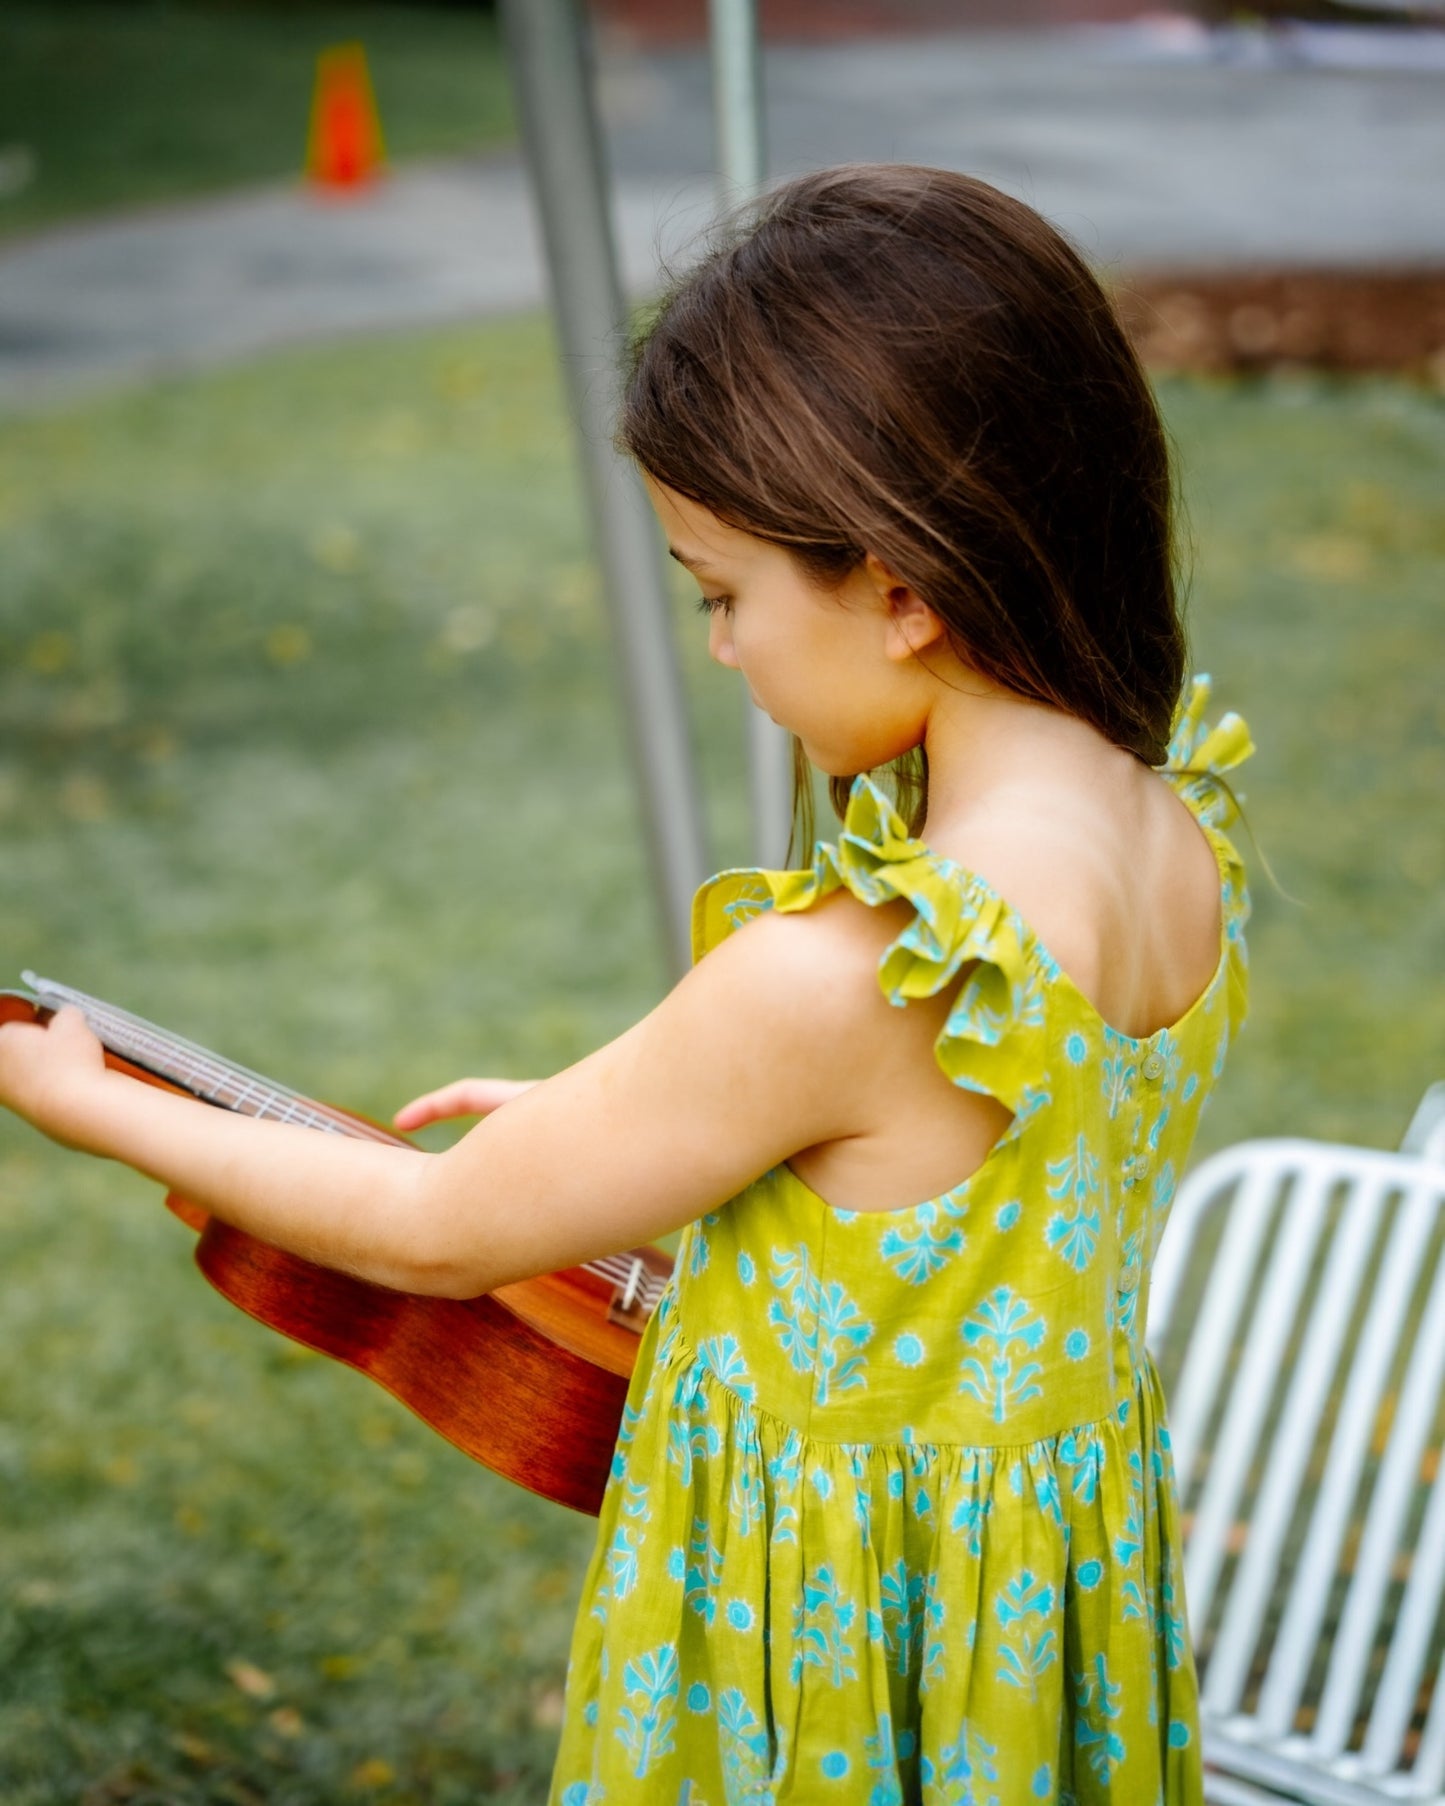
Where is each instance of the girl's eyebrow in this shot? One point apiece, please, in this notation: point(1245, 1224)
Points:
point(692, 564)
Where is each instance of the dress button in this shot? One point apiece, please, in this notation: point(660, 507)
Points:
point(1139, 1167)
point(1152, 1064)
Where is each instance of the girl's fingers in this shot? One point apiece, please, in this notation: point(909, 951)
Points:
point(47, 1074)
point(434, 1106)
point(463, 1097)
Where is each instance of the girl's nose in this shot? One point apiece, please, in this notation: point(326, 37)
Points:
point(720, 640)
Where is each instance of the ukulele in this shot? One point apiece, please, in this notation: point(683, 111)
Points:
point(528, 1379)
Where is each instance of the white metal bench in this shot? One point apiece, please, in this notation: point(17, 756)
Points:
point(1297, 1318)
point(1426, 1133)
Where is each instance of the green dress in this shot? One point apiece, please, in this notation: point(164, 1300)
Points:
point(892, 1516)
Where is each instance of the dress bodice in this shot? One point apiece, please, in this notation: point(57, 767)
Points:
point(1012, 1305)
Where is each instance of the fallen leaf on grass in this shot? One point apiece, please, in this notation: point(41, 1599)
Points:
point(547, 1709)
point(252, 1681)
point(195, 1749)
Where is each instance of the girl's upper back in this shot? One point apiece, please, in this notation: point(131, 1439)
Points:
point(1038, 1261)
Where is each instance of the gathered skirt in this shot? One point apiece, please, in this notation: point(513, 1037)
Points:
point(772, 1618)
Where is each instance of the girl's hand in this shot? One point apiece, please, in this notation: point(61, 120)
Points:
point(464, 1097)
point(51, 1075)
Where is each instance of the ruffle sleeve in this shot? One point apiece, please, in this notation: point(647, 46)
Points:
point(993, 1040)
point(1198, 753)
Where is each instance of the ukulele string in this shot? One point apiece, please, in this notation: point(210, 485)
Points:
point(233, 1087)
point(176, 1057)
point(209, 1078)
point(205, 1074)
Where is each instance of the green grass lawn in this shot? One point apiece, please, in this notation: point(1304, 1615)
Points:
point(308, 749)
point(160, 99)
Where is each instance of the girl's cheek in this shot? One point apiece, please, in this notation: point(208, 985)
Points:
point(720, 640)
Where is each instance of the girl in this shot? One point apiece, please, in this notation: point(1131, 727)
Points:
point(892, 1515)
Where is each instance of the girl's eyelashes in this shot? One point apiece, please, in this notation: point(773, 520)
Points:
point(706, 604)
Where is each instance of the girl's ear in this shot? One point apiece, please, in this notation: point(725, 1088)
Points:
point(912, 624)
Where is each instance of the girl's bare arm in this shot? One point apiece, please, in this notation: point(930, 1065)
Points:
point(749, 1058)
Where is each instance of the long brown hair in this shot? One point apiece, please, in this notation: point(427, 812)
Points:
point(902, 360)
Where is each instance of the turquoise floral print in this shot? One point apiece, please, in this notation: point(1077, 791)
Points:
point(892, 1516)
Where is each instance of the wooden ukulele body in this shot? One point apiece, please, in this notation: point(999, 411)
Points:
point(529, 1379)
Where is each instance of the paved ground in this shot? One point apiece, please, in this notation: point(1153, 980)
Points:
point(1150, 148)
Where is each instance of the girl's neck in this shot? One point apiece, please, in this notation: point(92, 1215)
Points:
point(984, 742)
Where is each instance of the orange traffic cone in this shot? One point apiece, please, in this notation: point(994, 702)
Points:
point(344, 148)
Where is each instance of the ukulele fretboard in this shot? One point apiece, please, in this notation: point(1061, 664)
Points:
point(197, 1070)
point(222, 1082)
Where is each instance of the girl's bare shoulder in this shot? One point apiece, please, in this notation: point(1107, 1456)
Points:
point(814, 978)
point(822, 960)
point(1118, 884)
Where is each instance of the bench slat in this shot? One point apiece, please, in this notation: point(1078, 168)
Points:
point(1299, 1631)
point(1214, 1327)
point(1385, 1520)
point(1278, 1499)
point(1410, 1651)
point(1302, 1217)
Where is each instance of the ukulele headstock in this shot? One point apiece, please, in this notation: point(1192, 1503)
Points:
point(20, 1006)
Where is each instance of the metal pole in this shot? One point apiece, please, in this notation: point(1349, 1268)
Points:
point(737, 97)
point(551, 79)
point(737, 88)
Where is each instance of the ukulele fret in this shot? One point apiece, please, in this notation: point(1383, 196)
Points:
point(266, 1109)
point(237, 1102)
point(293, 1111)
point(640, 1287)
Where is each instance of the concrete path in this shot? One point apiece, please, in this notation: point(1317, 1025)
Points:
point(1161, 146)
point(173, 289)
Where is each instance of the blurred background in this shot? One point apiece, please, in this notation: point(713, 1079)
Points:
point(310, 746)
